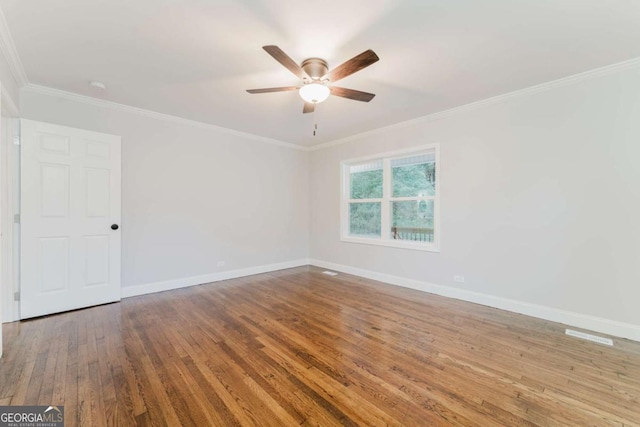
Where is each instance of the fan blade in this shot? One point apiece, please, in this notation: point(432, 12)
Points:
point(352, 94)
point(309, 107)
point(279, 55)
point(273, 89)
point(356, 63)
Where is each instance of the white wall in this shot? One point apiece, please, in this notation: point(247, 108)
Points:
point(10, 91)
point(192, 196)
point(540, 200)
point(2, 218)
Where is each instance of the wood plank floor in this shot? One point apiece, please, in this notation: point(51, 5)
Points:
point(297, 347)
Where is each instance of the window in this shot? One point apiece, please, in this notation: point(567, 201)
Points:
point(392, 199)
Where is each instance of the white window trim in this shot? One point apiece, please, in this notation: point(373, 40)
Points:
point(385, 238)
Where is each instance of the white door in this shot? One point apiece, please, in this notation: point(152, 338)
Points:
point(70, 218)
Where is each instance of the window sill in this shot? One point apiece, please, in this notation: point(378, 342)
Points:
point(425, 247)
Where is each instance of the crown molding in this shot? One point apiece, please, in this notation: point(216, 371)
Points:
point(8, 49)
point(564, 81)
point(96, 102)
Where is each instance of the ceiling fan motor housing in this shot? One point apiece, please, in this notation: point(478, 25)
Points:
point(315, 68)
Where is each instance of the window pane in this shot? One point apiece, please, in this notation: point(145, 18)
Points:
point(412, 220)
point(366, 180)
point(364, 219)
point(414, 176)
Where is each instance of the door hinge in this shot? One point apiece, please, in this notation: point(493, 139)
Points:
point(16, 218)
point(16, 296)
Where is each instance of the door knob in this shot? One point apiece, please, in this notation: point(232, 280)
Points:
point(114, 226)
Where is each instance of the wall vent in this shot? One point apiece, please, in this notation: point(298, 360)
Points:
point(589, 337)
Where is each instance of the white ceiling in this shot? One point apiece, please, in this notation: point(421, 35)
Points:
point(195, 58)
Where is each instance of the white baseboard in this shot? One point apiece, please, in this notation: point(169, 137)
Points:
point(584, 321)
point(167, 285)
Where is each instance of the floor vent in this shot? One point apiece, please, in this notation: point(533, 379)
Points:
point(330, 273)
point(589, 337)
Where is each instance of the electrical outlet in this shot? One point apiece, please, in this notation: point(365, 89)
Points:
point(459, 279)
point(221, 263)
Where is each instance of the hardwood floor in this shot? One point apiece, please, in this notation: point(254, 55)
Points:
point(297, 347)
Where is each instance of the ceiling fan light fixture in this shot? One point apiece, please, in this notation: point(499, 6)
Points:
point(314, 92)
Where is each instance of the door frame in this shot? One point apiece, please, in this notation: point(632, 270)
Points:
point(9, 114)
point(10, 206)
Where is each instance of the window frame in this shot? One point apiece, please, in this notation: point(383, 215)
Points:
point(387, 198)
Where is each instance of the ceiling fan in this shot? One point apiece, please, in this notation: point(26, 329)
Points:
point(317, 80)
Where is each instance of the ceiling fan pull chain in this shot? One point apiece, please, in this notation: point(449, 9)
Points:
point(315, 123)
